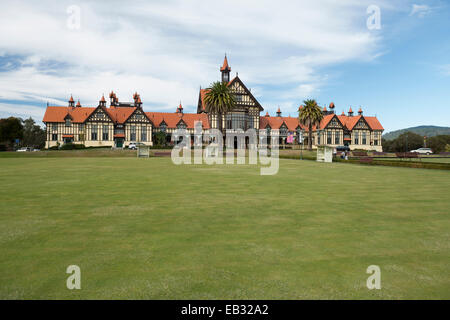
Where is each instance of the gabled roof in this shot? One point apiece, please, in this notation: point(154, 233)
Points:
point(236, 79)
point(132, 112)
point(104, 109)
point(172, 119)
point(276, 122)
point(201, 99)
point(348, 121)
point(58, 114)
point(373, 123)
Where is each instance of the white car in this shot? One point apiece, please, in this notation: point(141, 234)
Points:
point(426, 151)
point(24, 149)
point(132, 146)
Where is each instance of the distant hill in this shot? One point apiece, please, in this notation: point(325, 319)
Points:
point(428, 131)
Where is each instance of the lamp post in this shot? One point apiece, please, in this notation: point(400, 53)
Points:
point(300, 140)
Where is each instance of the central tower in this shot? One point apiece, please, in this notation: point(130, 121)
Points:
point(225, 69)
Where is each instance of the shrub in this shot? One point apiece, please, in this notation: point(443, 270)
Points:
point(72, 146)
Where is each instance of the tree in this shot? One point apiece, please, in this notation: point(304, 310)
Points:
point(405, 142)
point(160, 138)
point(10, 130)
point(310, 115)
point(219, 100)
point(33, 135)
point(438, 143)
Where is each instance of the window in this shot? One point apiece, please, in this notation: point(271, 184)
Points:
point(54, 127)
point(54, 136)
point(337, 137)
point(236, 121)
point(133, 133)
point(329, 137)
point(250, 123)
point(68, 122)
point(105, 132)
point(364, 140)
point(355, 135)
point(94, 132)
point(81, 127)
point(318, 139)
point(143, 133)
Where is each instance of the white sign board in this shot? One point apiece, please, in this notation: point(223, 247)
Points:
point(324, 154)
point(143, 152)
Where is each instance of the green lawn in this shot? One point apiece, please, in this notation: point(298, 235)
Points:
point(145, 228)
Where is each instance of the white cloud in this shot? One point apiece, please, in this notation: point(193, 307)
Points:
point(421, 10)
point(166, 49)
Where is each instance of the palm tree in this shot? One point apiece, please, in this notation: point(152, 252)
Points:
point(219, 100)
point(310, 115)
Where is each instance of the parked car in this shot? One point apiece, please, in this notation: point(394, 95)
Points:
point(36, 150)
point(426, 151)
point(24, 149)
point(135, 145)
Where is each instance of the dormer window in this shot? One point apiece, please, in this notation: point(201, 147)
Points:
point(163, 127)
point(68, 122)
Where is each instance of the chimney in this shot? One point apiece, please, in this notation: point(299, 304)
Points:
point(180, 109)
point(360, 112)
point(102, 101)
point(71, 102)
point(278, 112)
point(331, 107)
point(350, 112)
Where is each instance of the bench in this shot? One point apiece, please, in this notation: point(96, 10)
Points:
point(366, 160)
point(359, 153)
point(407, 155)
point(162, 154)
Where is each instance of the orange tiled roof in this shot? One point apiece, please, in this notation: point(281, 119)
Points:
point(276, 122)
point(120, 114)
point(373, 123)
point(58, 114)
point(172, 119)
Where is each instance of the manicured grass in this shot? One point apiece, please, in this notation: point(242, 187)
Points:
point(145, 228)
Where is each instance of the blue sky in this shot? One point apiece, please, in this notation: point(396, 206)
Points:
point(285, 52)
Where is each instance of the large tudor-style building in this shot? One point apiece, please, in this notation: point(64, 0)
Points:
point(124, 122)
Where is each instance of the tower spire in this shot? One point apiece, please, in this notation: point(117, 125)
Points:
point(225, 70)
